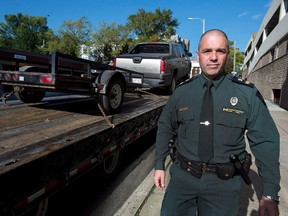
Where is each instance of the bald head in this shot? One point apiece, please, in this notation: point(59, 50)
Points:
point(217, 32)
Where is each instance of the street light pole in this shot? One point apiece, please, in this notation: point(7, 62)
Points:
point(234, 59)
point(203, 23)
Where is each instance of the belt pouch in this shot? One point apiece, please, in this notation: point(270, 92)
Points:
point(225, 170)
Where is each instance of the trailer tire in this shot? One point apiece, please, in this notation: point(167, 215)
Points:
point(111, 162)
point(30, 96)
point(111, 165)
point(113, 99)
point(42, 207)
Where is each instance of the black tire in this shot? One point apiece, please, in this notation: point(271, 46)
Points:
point(42, 207)
point(113, 99)
point(172, 86)
point(30, 96)
point(111, 164)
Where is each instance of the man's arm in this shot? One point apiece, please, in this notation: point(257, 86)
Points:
point(264, 143)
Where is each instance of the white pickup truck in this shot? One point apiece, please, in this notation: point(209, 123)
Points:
point(164, 64)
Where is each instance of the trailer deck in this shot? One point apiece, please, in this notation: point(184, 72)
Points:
point(43, 145)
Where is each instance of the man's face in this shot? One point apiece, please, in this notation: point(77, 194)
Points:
point(213, 54)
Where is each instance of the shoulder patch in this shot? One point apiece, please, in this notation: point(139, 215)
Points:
point(187, 81)
point(243, 82)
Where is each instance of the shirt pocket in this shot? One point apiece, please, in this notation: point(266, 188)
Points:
point(229, 129)
point(186, 121)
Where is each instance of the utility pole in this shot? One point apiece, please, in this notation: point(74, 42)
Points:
point(234, 60)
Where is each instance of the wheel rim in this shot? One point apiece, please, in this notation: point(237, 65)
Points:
point(115, 96)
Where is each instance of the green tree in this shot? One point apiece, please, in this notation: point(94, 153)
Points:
point(149, 26)
point(239, 58)
point(111, 40)
point(71, 35)
point(23, 32)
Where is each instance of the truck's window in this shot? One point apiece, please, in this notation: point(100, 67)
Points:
point(151, 48)
point(182, 51)
point(177, 51)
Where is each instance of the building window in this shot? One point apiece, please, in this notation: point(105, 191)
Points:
point(273, 22)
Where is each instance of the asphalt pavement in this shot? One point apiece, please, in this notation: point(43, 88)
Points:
point(146, 199)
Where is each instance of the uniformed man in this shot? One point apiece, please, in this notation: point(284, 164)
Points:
point(211, 185)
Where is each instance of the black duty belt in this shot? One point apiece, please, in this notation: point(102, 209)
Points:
point(222, 170)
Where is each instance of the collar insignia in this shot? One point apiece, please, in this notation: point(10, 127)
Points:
point(233, 101)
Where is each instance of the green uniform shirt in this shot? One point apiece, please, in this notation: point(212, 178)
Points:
point(238, 108)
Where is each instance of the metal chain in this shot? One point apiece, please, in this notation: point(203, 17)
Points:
point(6, 96)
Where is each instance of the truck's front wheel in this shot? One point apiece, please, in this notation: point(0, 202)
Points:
point(30, 96)
point(113, 99)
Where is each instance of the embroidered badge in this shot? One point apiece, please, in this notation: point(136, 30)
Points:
point(233, 101)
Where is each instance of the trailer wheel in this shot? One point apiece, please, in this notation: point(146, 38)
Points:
point(113, 99)
point(30, 96)
point(42, 207)
point(111, 164)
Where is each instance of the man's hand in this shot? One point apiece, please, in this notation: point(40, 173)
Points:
point(269, 206)
point(159, 179)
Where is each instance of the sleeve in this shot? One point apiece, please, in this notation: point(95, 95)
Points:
point(167, 130)
point(264, 143)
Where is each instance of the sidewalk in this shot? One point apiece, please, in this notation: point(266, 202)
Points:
point(146, 199)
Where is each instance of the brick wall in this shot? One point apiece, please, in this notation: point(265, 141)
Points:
point(273, 79)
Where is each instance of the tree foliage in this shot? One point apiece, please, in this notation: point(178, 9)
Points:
point(72, 35)
point(31, 33)
point(239, 58)
point(111, 39)
point(23, 32)
point(149, 26)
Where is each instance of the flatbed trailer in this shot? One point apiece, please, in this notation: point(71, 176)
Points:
point(44, 146)
point(46, 142)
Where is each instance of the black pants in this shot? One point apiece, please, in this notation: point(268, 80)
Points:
point(208, 196)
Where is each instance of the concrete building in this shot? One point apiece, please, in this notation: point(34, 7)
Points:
point(266, 55)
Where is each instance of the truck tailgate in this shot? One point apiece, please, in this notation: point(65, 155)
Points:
point(149, 67)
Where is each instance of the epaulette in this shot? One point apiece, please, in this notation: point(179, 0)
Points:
point(187, 81)
point(243, 82)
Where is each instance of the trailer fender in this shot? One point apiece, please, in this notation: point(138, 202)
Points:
point(105, 77)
